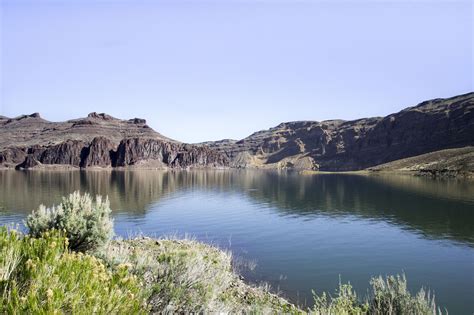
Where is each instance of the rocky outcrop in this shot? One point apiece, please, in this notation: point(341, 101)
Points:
point(338, 145)
point(136, 151)
point(430, 126)
point(29, 162)
point(10, 157)
point(69, 152)
point(140, 151)
point(201, 156)
point(100, 153)
point(98, 140)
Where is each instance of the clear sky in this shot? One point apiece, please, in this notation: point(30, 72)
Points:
point(206, 70)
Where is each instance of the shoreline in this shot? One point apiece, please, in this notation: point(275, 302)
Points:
point(217, 283)
point(157, 275)
point(434, 174)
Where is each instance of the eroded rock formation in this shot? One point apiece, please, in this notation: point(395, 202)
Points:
point(141, 151)
point(101, 152)
point(100, 140)
point(338, 145)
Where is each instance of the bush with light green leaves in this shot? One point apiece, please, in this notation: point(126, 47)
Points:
point(86, 222)
point(41, 276)
point(388, 295)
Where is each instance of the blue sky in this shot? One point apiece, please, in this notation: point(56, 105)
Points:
point(206, 70)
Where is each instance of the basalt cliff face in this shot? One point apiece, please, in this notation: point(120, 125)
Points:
point(338, 145)
point(100, 140)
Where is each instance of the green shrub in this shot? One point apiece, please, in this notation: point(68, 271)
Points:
point(186, 276)
point(391, 296)
point(40, 276)
point(86, 223)
point(388, 296)
point(344, 303)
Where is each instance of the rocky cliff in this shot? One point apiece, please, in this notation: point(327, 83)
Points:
point(100, 140)
point(338, 145)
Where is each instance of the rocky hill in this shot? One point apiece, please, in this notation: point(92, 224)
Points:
point(100, 140)
point(337, 145)
point(29, 130)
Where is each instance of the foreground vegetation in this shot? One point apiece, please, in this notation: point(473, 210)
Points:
point(388, 296)
point(68, 264)
point(40, 276)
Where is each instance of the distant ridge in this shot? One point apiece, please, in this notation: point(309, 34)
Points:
point(338, 145)
point(100, 140)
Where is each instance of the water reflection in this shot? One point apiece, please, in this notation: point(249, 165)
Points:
point(434, 208)
point(128, 191)
point(310, 229)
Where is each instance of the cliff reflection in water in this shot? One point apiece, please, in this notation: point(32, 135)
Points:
point(434, 208)
point(131, 192)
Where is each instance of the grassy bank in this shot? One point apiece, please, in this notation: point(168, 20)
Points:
point(67, 263)
point(189, 276)
point(40, 275)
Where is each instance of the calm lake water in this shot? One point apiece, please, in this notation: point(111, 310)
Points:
point(303, 232)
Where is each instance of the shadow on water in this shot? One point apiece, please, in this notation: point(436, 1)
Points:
point(434, 208)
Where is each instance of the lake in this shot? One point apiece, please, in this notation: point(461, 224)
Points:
point(303, 232)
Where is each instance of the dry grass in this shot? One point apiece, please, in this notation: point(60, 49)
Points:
point(188, 276)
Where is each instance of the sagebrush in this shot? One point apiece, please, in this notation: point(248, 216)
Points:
point(388, 296)
point(41, 276)
point(86, 222)
point(186, 276)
